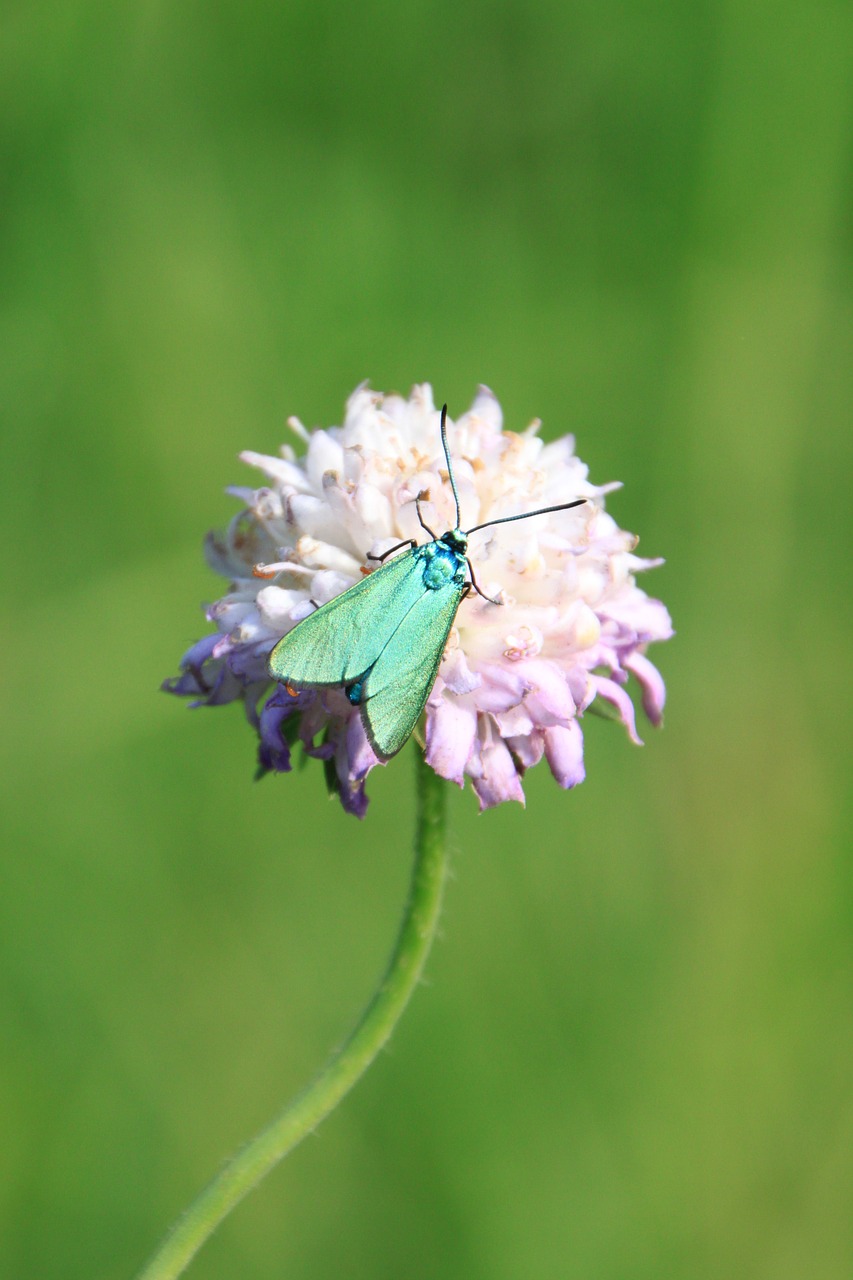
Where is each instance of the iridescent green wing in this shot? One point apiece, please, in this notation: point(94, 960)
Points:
point(399, 682)
point(342, 639)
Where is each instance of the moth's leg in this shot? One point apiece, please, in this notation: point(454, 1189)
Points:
point(423, 523)
point(409, 542)
point(473, 584)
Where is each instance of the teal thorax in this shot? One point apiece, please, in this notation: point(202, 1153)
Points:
point(444, 560)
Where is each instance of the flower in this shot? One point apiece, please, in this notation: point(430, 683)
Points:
point(516, 677)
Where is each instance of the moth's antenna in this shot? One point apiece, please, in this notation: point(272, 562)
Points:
point(449, 463)
point(525, 515)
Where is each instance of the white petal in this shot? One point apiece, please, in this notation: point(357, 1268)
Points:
point(285, 473)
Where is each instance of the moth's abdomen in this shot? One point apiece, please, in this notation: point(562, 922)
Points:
point(354, 691)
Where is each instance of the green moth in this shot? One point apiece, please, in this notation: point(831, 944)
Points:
point(382, 641)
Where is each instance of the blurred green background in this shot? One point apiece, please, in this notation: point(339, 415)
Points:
point(634, 1055)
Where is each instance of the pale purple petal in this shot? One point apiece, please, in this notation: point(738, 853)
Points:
point(274, 749)
point(564, 753)
point(360, 754)
point(250, 662)
point(253, 693)
point(549, 699)
point(354, 797)
point(457, 675)
point(313, 724)
point(501, 688)
point(496, 778)
point(516, 721)
point(450, 733)
point(528, 749)
point(196, 656)
point(581, 687)
point(185, 685)
point(351, 786)
point(615, 694)
point(651, 683)
point(194, 678)
point(227, 688)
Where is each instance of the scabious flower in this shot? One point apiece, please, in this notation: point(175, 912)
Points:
point(516, 677)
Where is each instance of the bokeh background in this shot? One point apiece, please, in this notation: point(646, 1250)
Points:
point(634, 1055)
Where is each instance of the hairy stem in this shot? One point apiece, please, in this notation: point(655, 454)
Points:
point(253, 1161)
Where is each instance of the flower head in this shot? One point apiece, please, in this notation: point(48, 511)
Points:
point(570, 627)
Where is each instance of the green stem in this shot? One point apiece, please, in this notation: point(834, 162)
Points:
point(348, 1064)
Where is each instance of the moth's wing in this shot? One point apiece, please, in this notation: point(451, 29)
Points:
point(399, 683)
point(342, 639)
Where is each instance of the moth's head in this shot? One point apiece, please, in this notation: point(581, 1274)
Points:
point(456, 540)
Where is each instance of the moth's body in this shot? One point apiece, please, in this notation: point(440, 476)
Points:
point(382, 641)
